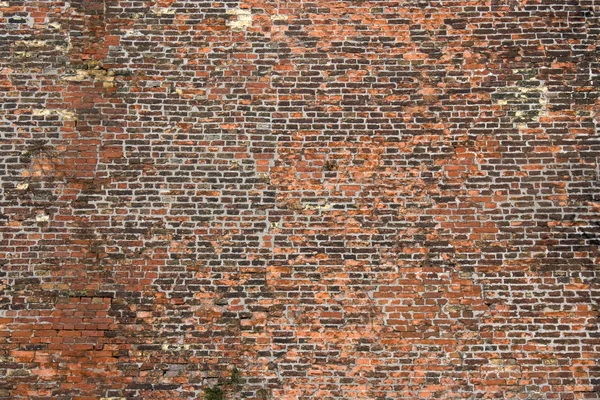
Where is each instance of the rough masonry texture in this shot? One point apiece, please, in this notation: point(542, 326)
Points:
point(299, 199)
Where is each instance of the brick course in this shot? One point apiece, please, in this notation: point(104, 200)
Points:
point(299, 199)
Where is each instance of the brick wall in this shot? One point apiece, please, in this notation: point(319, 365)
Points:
point(299, 199)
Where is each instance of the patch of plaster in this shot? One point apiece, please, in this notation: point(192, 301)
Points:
point(66, 115)
point(160, 11)
point(317, 207)
point(42, 218)
point(31, 43)
point(526, 100)
point(133, 32)
point(93, 72)
point(279, 17)
point(243, 19)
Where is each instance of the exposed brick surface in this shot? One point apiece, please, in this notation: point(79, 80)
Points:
point(299, 199)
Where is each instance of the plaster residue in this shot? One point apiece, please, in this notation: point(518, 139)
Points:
point(242, 21)
point(66, 115)
point(526, 100)
point(326, 206)
point(279, 17)
point(175, 347)
point(31, 43)
point(91, 71)
point(42, 218)
point(160, 11)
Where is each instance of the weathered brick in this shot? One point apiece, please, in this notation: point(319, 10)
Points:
point(288, 199)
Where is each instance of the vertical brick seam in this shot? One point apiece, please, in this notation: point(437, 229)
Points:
point(275, 199)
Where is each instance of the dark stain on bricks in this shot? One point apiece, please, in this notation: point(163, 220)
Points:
point(299, 200)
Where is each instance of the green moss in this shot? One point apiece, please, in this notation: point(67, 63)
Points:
point(236, 377)
point(214, 393)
